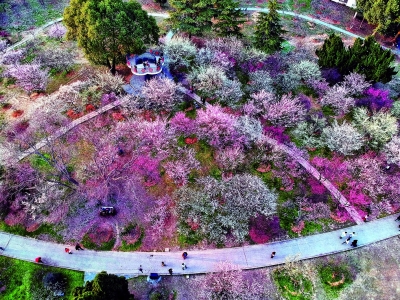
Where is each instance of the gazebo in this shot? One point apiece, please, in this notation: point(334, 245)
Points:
point(148, 63)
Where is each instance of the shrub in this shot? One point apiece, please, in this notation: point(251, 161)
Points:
point(334, 277)
point(12, 57)
point(355, 84)
point(229, 93)
point(396, 109)
point(260, 80)
point(207, 79)
point(338, 98)
point(109, 82)
point(250, 128)
point(57, 31)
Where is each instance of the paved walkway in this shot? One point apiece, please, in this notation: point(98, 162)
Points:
point(200, 261)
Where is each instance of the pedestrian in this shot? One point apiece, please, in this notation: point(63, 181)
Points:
point(140, 268)
point(2, 249)
point(351, 235)
point(183, 266)
point(170, 271)
point(78, 247)
point(163, 264)
point(184, 255)
point(347, 240)
point(365, 218)
point(344, 233)
point(398, 218)
point(67, 250)
point(38, 260)
point(273, 254)
point(354, 243)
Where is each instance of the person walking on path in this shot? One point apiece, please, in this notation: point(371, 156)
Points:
point(38, 260)
point(183, 266)
point(344, 233)
point(347, 240)
point(184, 255)
point(398, 218)
point(163, 264)
point(78, 247)
point(2, 249)
point(170, 271)
point(140, 268)
point(354, 243)
point(273, 254)
point(351, 235)
point(365, 218)
point(67, 250)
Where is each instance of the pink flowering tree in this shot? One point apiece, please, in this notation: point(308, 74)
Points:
point(355, 83)
point(229, 282)
point(30, 77)
point(182, 125)
point(286, 112)
point(57, 31)
point(179, 169)
point(338, 97)
point(160, 94)
point(216, 127)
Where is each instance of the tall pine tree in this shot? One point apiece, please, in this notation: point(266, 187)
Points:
point(228, 18)
point(332, 54)
point(192, 16)
point(268, 35)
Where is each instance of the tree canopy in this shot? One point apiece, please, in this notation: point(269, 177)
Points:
point(198, 16)
point(109, 29)
point(103, 287)
point(365, 57)
point(383, 13)
point(268, 35)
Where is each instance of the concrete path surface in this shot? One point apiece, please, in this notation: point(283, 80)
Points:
point(198, 261)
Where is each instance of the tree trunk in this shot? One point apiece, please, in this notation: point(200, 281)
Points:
point(113, 71)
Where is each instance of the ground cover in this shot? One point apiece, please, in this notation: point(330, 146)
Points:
point(25, 280)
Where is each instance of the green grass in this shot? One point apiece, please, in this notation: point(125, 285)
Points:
point(131, 247)
point(303, 6)
point(334, 278)
point(41, 163)
point(23, 280)
point(89, 244)
point(287, 47)
point(311, 227)
point(293, 287)
point(49, 229)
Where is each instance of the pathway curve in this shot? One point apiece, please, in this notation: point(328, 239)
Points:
point(198, 261)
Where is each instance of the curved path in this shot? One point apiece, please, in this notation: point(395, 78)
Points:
point(199, 261)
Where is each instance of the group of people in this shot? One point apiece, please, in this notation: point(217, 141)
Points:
point(348, 238)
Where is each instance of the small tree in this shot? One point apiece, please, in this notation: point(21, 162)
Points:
point(343, 138)
point(229, 18)
point(160, 94)
point(268, 35)
point(30, 77)
point(333, 52)
point(104, 286)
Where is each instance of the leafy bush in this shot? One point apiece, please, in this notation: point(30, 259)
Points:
point(343, 138)
point(334, 277)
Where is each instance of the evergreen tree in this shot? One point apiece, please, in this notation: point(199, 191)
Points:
point(228, 18)
point(108, 29)
point(268, 35)
point(364, 57)
point(367, 57)
point(332, 54)
point(103, 287)
point(383, 13)
point(192, 16)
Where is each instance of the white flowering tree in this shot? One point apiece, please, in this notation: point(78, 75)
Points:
point(56, 58)
point(250, 128)
point(379, 128)
point(355, 83)
point(392, 151)
point(260, 80)
point(308, 133)
point(338, 97)
point(343, 138)
point(230, 93)
point(160, 94)
point(207, 79)
point(212, 209)
point(180, 52)
point(300, 73)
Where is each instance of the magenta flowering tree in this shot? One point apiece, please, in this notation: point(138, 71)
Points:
point(230, 158)
point(182, 125)
point(148, 168)
point(30, 77)
point(375, 99)
point(179, 169)
point(160, 94)
point(216, 127)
